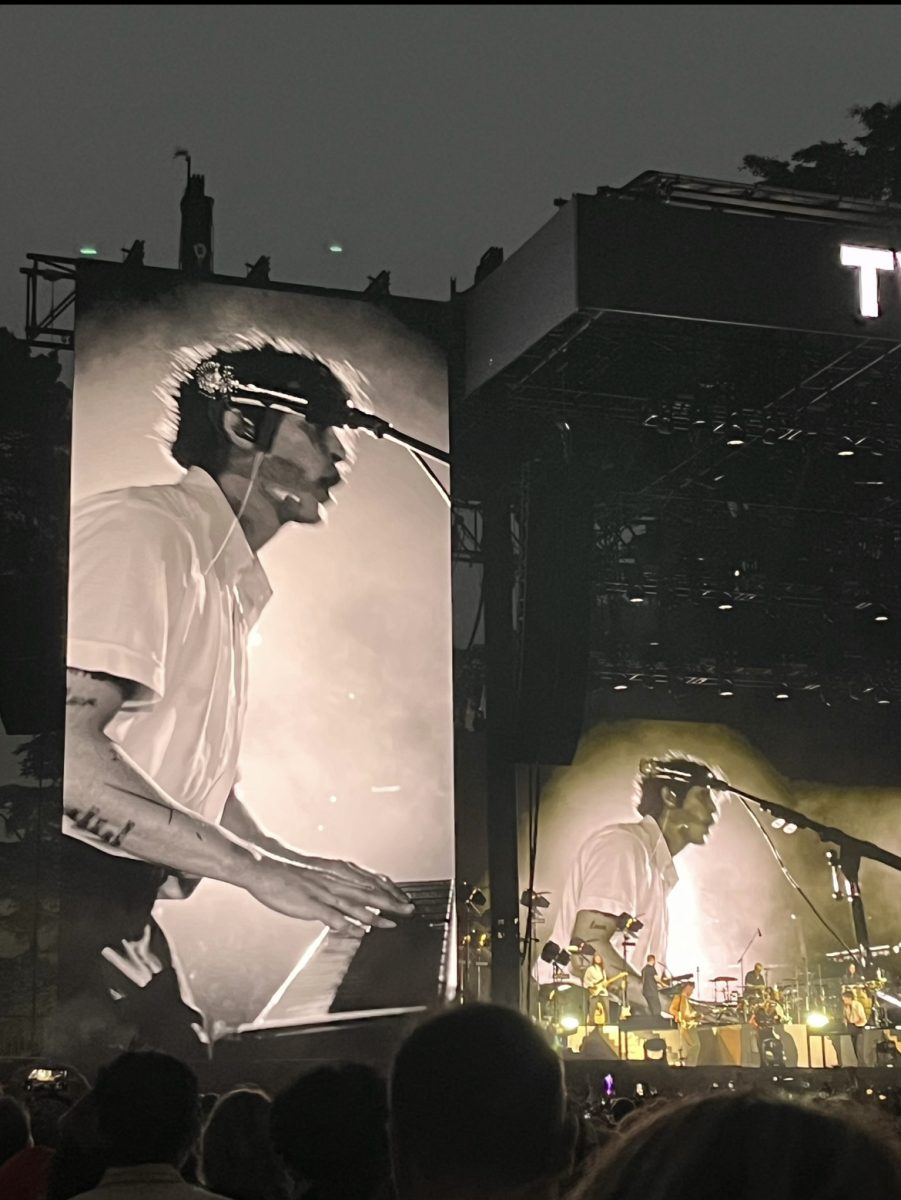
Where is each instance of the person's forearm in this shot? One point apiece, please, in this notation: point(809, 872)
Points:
point(111, 805)
point(238, 820)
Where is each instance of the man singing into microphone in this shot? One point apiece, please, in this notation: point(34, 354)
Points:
point(165, 587)
point(627, 870)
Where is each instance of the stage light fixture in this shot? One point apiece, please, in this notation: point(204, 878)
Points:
point(530, 899)
point(880, 614)
point(789, 827)
point(846, 448)
point(817, 1020)
point(635, 594)
point(655, 1050)
point(733, 433)
point(569, 1023)
point(620, 683)
point(88, 251)
point(882, 697)
point(782, 692)
point(582, 948)
point(552, 953)
point(726, 688)
point(777, 823)
point(335, 248)
point(724, 602)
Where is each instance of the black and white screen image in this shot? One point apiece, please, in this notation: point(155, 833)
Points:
point(257, 786)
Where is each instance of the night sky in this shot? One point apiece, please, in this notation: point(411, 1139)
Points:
point(415, 136)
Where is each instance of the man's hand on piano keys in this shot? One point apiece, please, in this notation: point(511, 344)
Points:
point(320, 889)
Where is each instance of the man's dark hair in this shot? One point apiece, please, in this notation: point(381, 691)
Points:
point(650, 956)
point(650, 803)
point(330, 1129)
point(848, 992)
point(477, 1100)
point(14, 1132)
point(715, 1145)
point(199, 438)
point(148, 1108)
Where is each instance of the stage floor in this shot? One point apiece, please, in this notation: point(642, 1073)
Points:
point(728, 1045)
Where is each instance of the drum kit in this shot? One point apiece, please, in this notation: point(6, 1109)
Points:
point(732, 1005)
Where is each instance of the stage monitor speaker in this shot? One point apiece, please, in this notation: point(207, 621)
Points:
point(557, 541)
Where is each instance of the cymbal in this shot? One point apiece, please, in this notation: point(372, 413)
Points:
point(724, 979)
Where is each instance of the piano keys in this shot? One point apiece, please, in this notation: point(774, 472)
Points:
point(356, 974)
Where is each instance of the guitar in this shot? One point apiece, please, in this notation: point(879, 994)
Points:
point(598, 989)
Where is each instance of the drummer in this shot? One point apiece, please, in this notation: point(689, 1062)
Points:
point(755, 982)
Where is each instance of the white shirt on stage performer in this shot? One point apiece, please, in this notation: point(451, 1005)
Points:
point(165, 587)
point(626, 870)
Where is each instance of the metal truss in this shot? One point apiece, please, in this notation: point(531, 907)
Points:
point(44, 326)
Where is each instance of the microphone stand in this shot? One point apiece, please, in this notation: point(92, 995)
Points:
point(850, 852)
point(354, 418)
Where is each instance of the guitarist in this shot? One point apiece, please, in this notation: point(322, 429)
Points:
point(597, 983)
point(686, 1017)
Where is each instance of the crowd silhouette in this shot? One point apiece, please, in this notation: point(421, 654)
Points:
point(475, 1108)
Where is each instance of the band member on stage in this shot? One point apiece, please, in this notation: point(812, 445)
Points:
point(650, 988)
point(855, 1018)
point(755, 982)
point(767, 1018)
point(852, 977)
point(595, 982)
point(627, 869)
point(165, 588)
point(686, 1017)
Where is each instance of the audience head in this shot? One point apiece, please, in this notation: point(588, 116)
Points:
point(14, 1128)
point(740, 1146)
point(477, 1107)
point(148, 1109)
point(238, 1160)
point(330, 1129)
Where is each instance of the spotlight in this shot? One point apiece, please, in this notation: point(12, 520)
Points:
point(530, 899)
point(845, 448)
point(620, 683)
point(569, 1024)
point(782, 692)
point(882, 697)
point(733, 433)
point(880, 614)
point(626, 923)
point(817, 1020)
point(726, 688)
point(789, 827)
point(778, 823)
point(635, 594)
point(721, 600)
point(582, 948)
point(552, 953)
point(655, 1050)
point(477, 898)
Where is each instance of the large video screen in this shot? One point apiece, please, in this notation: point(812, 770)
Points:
point(648, 858)
point(257, 790)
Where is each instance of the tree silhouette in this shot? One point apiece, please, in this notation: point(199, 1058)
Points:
point(34, 513)
point(867, 169)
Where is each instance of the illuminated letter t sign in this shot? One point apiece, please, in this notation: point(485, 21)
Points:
point(868, 261)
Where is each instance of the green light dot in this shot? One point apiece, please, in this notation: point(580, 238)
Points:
point(335, 248)
point(88, 251)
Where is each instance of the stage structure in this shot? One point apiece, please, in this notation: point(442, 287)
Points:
point(681, 421)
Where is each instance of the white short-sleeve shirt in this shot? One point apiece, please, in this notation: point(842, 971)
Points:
point(625, 868)
point(150, 602)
